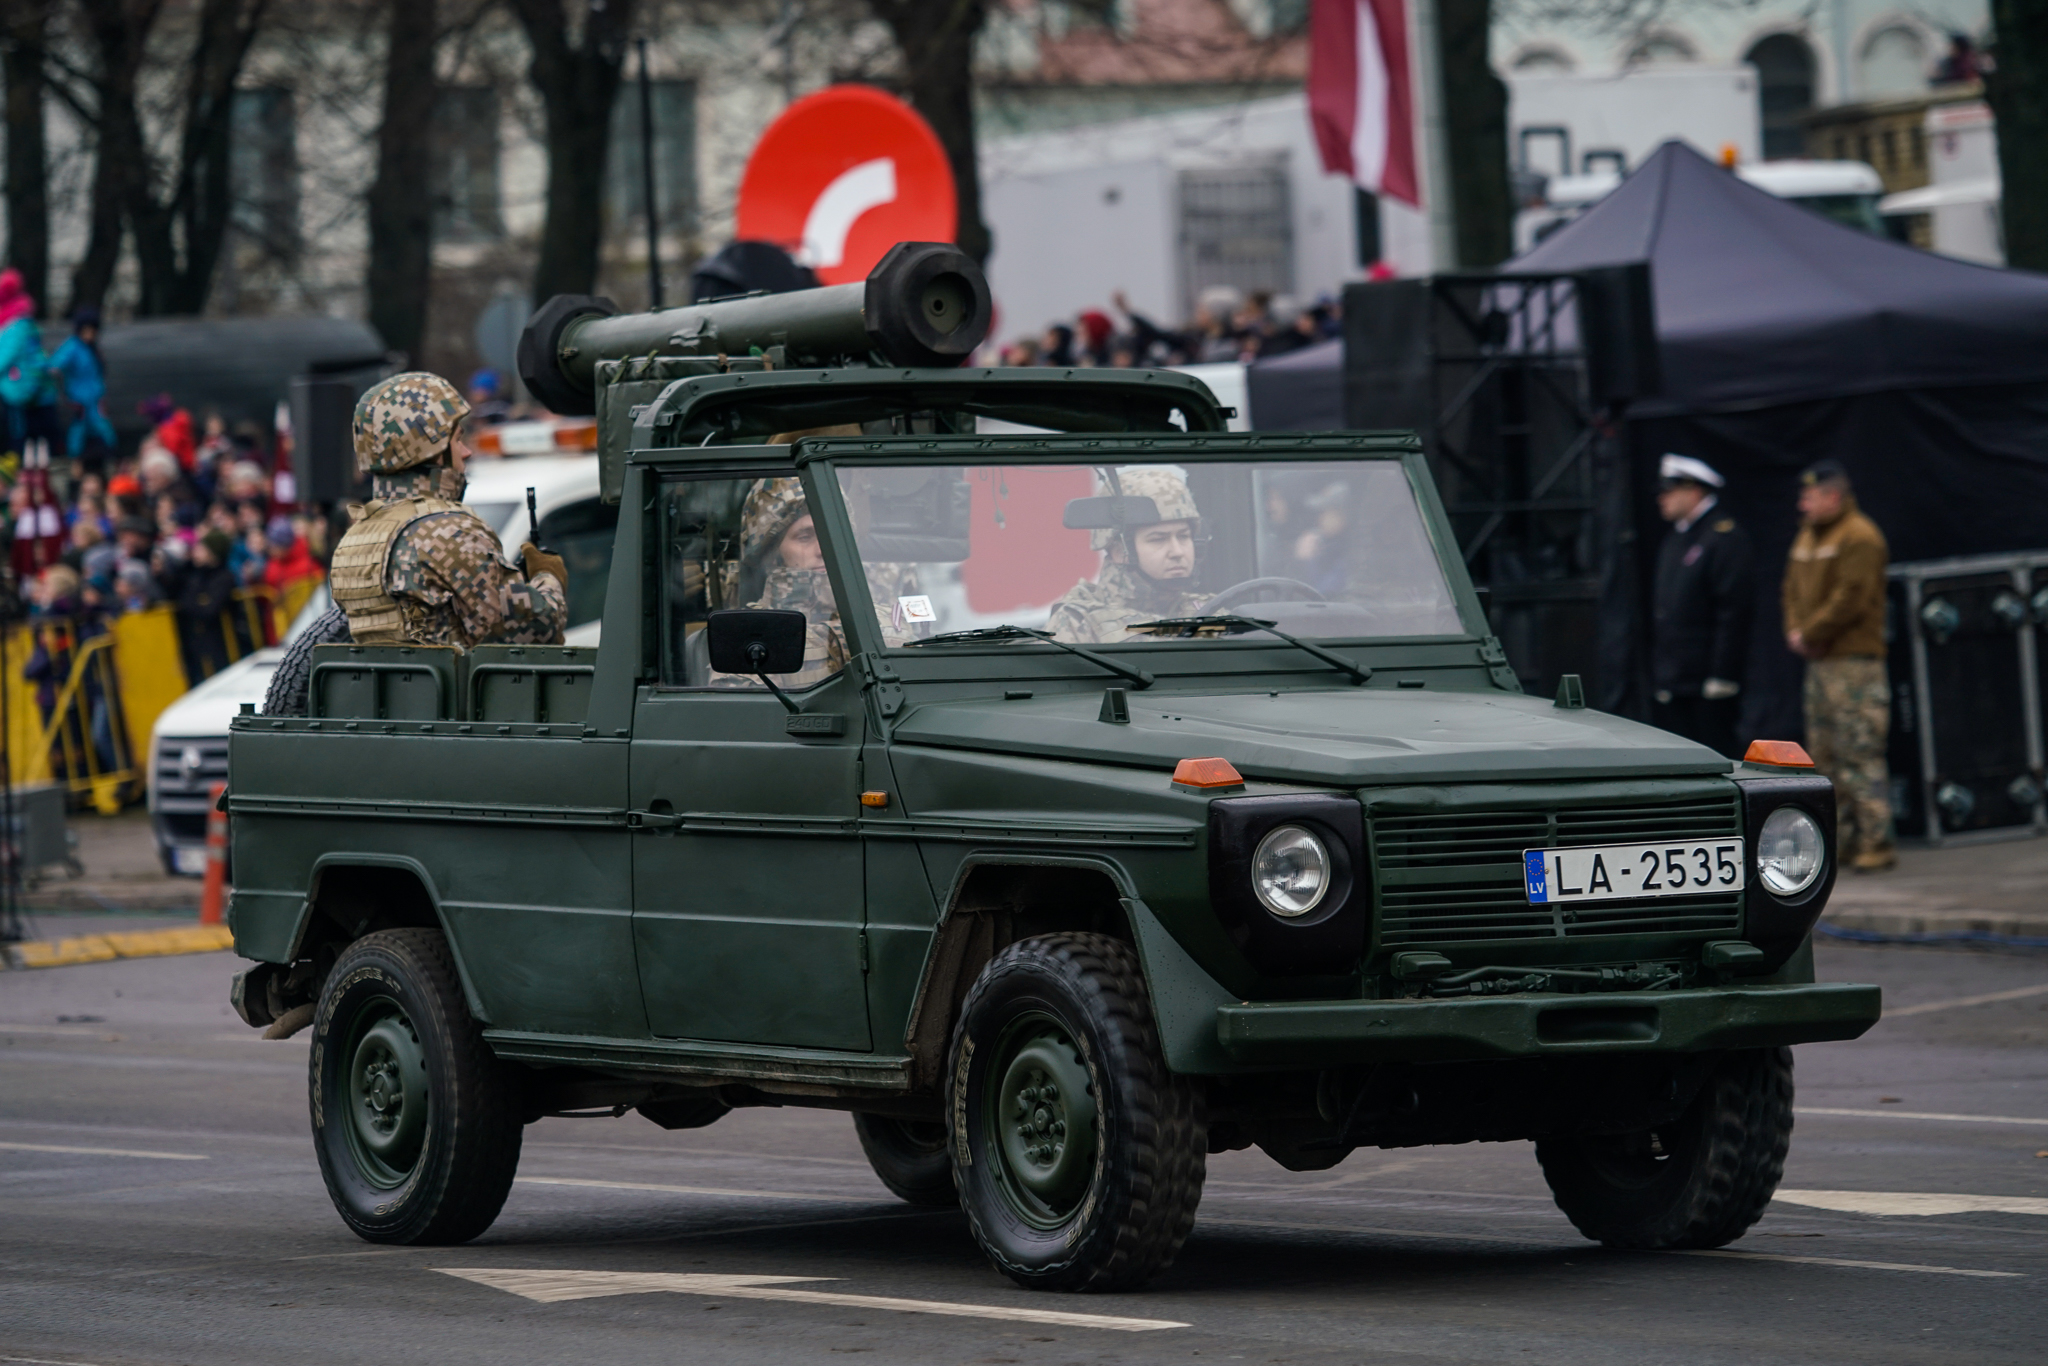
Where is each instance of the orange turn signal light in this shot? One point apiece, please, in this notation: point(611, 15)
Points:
point(1204, 775)
point(874, 799)
point(1778, 754)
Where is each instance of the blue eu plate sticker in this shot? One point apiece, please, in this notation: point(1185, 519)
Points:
point(1532, 869)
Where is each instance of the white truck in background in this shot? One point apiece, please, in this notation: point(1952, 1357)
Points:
point(1849, 192)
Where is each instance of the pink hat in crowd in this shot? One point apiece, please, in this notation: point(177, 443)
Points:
point(14, 300)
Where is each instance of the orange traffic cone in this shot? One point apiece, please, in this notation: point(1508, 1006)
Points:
point(213, 901)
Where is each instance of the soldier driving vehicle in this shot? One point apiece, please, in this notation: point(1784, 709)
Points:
point(1146, 526)
point(1292, 864)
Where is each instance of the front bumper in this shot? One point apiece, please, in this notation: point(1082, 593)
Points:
point(1544, 1024)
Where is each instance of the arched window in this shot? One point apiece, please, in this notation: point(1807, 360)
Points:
point(1543, 61)
point(1784, 92)
point(1894, 62)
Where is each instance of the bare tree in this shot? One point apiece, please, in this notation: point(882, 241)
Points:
point(24, 26)
point(936, 38)
point(576, 62)
point(177, 214)
point(2018, 92)
point(401, 207)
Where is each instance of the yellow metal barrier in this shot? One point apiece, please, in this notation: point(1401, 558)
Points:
point(132, 672)
point(84, 742)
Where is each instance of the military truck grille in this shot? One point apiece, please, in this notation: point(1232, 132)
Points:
point(1457, 876)
point(185, 773)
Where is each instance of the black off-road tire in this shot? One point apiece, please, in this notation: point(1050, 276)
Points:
point(1056, 1041)
point(286, 695)
point(911, 1156)
point(1708, 1176)
point(416, 1123)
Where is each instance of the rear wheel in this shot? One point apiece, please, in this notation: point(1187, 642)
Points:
point(1079, 1156)
point(1699, 1181)
point(910, 1156)
point(416, 1124)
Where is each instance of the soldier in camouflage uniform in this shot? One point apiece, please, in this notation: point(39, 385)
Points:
point(779, 541)
point(418, 567)
point(1146, 570)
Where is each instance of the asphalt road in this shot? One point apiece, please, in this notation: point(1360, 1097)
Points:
point(159, 1203)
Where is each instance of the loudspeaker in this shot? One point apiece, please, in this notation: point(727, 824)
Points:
point(1618, 328)
point(323, 444)
point(1389, 363)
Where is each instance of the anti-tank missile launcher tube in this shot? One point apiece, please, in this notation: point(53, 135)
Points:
point(926, 305)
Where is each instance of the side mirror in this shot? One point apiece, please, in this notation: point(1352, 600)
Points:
point(1109, 512)
point(757, 640)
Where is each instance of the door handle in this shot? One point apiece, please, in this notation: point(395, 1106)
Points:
point(660, 818)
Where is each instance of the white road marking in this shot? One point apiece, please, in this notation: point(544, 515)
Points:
point(1988, 998)
point(1918, 1114)
point(1914, 1202)
point(44, 1361)
point(1843, 1261)
point(551, 1286)
point(696, 1190)
point(99, 1152)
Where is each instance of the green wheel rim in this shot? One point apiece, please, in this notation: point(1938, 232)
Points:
point(385, 1089)
point(1040, 1118)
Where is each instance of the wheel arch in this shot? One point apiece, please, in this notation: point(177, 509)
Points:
point(350, 895)
point(1001, 896)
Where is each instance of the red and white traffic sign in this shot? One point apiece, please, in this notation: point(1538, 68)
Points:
point(841, 177)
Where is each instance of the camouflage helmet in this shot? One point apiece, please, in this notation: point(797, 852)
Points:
point(1168, 490)
point(406, 420)
point(773, 506)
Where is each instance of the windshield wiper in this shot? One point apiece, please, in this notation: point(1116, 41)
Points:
point(1009, 632)
point(1187, 626)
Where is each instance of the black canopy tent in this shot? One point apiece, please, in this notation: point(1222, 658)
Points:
point(1787, 338)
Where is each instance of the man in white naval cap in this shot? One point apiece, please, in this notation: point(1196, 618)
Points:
point(1700, 612)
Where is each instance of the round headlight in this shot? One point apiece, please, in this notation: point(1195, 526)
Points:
point(1290, 872)
point(1789, 851)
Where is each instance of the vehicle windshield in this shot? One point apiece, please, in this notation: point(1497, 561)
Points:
point(1320, 549)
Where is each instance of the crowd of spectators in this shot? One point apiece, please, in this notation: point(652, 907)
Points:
point(1227, 325)
point(199, 517)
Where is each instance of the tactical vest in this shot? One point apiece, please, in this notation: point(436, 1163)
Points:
point(356, 577)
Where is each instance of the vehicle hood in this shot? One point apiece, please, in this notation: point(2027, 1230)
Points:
point(207, 709)
point(1347, 738)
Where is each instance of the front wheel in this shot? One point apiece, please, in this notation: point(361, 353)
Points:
point(1697, 1182)
point(1078, 1155)
point(416, 1124)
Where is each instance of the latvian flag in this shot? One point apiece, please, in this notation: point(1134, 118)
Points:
point(1360, 99)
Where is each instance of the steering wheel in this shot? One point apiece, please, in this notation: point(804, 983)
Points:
point(1262, 590)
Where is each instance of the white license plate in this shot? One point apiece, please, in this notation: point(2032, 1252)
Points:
point(1614, 871)
point(190, 861)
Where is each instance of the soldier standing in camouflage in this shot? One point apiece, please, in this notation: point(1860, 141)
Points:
point(418, 567)
point(1834, 619)
point(1147, 570)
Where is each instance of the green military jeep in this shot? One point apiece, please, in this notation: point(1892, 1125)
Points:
point(1271, 850)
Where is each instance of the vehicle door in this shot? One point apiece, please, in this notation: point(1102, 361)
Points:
point(747, 869)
